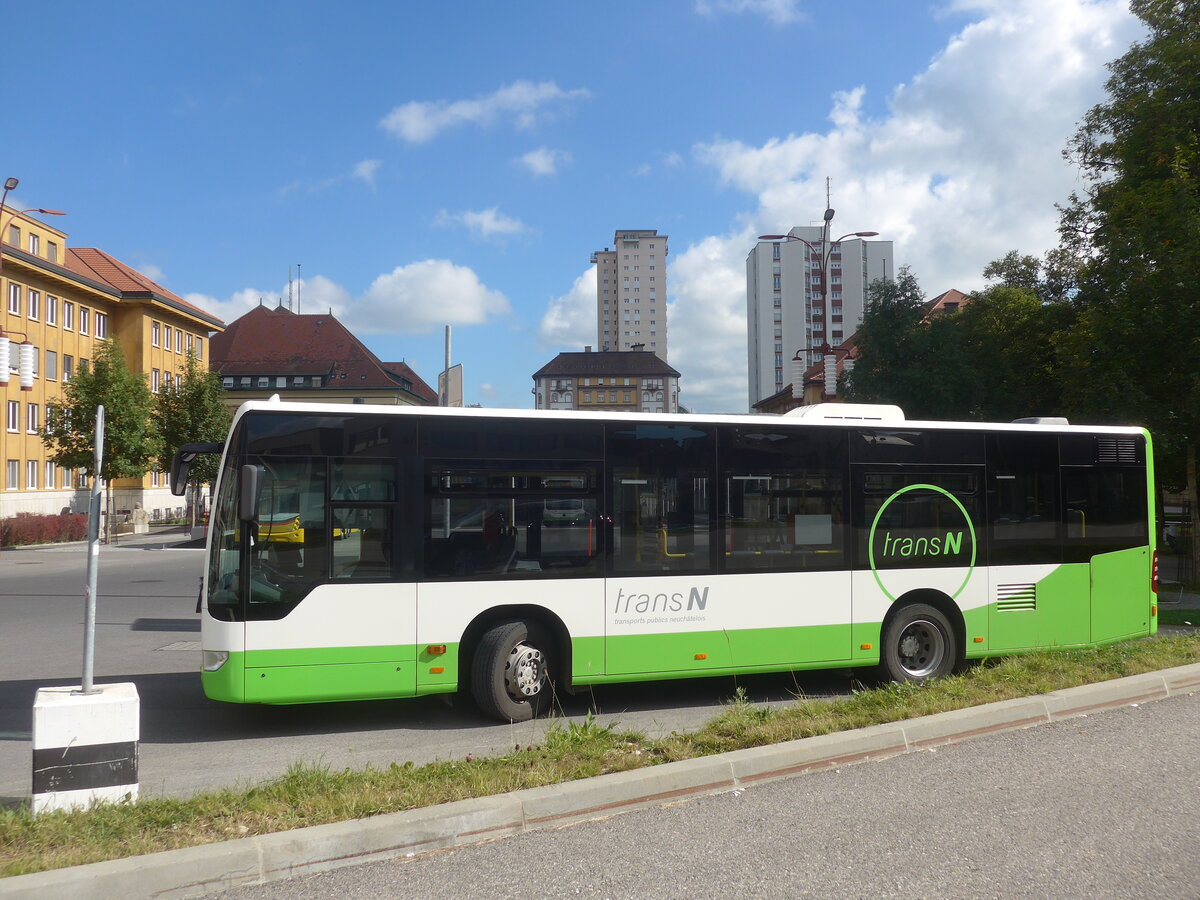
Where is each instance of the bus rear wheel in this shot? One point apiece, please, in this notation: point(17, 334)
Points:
point(511, 676)
point(918, 644)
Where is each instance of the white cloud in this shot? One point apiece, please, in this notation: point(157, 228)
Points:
point(521, 101)
point(365, 171)
point(416, 298)
point(964, 165)
point(707, 322)
point(778, 12)
point(544, 161)
point(483, 223)
point(569, 322)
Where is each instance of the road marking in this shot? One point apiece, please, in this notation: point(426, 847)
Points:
point(181, 645)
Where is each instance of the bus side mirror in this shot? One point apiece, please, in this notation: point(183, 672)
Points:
point(251, 491)
point(181, 463)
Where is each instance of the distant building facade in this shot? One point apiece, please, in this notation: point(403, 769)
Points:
point(622, 381)
point(631, 292)
point(60, 302)
point(308, 357)
point(793, 305)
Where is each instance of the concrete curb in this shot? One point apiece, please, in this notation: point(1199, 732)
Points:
point(196, 871)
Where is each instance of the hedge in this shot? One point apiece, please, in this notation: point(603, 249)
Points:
point(28, 528)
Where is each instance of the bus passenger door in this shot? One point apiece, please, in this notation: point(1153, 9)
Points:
point(326, 617)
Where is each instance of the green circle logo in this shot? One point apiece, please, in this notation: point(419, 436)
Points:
point(911, 545)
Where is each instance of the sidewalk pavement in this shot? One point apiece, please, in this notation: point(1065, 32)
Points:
point(196, 871)
point(167, 537)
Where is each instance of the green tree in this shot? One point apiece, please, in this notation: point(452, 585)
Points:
point(1011, 339)
point(130, 442)
point(191, 408)
point(1053, 279)
point(1135, 352)
point(904, 358)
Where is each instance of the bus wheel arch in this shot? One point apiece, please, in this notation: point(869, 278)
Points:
point(512, 644)
point(922, 636)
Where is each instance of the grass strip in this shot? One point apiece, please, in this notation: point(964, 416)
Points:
point(313, 795)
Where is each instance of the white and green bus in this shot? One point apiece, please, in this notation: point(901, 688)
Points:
point(507, 554)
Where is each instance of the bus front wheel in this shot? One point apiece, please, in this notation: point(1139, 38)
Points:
point(918, 644)
point(511, 674)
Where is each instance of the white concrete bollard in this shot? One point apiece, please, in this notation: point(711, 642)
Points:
point(85, 746)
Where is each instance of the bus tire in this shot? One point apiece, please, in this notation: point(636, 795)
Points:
point(918, 643)
point(511, 675)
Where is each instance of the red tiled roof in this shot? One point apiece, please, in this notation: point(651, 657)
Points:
point(419, 387)
point(97, 265)
point(280, 342)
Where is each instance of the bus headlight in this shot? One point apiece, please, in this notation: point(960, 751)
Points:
point(213, 660)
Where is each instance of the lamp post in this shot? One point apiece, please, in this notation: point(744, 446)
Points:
point(25, 351)
point(822, 255)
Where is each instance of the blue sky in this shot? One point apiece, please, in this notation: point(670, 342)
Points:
point(430, 163)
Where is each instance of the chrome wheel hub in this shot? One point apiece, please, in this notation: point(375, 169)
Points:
point(524, 672)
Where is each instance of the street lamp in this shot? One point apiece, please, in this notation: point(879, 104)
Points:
point(822, 255)
point(25, 351)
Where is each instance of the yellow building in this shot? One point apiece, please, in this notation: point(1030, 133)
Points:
point(62, 302)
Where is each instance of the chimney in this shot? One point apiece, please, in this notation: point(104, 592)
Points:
point(587, 348)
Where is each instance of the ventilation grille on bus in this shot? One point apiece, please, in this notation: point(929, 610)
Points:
point(1116, 450)
point(1013, 597)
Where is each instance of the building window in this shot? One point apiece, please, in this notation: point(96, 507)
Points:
point(178, 341)
point(32, 418)
point(68, 367)
point(84, 315)
point(264, 381)
point(31, 474)
point(51, 310)
point(68, 315)
point(52, 251)
point(34, 308)
point(101, 325)
point(155, 329)
point(12, 474)
point(14, 235)
point(199, 347)
point(35, 245)
point(14, 299)
point(154, 381)
point(190, 340)
point(14, 415)
point(81, 479)
point(51, 365)
point(49, 484)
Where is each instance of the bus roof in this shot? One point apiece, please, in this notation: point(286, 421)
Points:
point(279, 406)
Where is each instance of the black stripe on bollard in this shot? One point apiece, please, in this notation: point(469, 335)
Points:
point(84, 767)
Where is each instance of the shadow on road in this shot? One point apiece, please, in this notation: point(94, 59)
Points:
point(174, 709)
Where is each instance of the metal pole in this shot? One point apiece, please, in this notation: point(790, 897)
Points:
point(89, 614)
point(445, 398)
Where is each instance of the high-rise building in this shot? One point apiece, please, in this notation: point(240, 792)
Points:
point(794, 305)
point(631, 292)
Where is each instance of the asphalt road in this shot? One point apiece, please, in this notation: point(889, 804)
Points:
point(1103, 806)
point(148, 633)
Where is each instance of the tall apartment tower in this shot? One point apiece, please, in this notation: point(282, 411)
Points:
point(631, 292)
point(792, 304)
